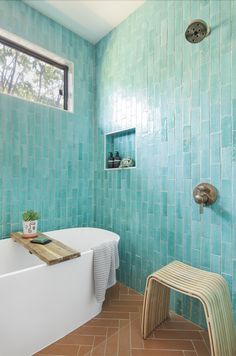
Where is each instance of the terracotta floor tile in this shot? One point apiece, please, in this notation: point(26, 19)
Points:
point(92, 330)
point(124, 290)
point(111, 331)
point(113, 315)
point(121, 308)
point(84, 350)
point(126, 302)
point(124, 345)
point(176, 334)
point(134, 316)
point(179, 325)
point(123, 323)
point(57, 349)
point(98, 340)
point(116, 331)
point(131, 297)
point(105, 323)
point(205, 337)
point(76, 340)
point(168, 344)
point(112, 345)
point(201, 348)
point(136, 338)
point(156, 353)
point(99, 350)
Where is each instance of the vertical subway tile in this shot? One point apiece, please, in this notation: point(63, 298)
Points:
point(182, 100)
point(38, 142)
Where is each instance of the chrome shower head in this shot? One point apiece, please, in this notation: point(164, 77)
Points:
point(197, 31)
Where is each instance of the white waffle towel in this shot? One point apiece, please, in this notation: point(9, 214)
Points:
point(105, 263)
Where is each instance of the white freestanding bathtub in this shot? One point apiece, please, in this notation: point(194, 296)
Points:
point(40, 304)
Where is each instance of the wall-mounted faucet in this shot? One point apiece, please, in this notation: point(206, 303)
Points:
point(204, 194)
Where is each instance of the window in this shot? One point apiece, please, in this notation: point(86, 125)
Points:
point(32, 76)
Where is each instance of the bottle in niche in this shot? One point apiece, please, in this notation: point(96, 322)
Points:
point(110, 162)
point(117, 160)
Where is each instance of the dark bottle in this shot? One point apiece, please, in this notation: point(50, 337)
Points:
point(117, 160)
point(110, 162)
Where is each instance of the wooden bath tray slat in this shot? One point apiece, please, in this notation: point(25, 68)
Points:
point(51, 253)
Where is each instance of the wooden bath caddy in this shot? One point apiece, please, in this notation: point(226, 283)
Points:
point(52, 253)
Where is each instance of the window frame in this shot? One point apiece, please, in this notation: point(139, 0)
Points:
point(37, 55)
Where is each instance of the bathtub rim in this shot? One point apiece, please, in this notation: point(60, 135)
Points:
point(44, 264)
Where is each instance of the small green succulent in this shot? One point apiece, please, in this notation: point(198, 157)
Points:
point(30, 215)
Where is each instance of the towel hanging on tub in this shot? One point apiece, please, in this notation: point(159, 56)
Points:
point(105, 263)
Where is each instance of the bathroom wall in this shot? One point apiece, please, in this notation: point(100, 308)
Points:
point(46, 154)
point(181, 98)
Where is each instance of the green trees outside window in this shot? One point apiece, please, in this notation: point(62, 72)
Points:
point(31, 78)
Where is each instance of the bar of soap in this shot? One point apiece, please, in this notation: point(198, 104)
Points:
point(41, 240)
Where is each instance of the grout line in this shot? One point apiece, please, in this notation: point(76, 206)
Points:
point(207, 346)
point(105, 348)
point(166, 349)
point(130, 340)
point(93, 342)
point(118, 341)
point(194, 347)
point(176, 340)
point(78, 351)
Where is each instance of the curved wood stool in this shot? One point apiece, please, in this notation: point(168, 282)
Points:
point(210, 288)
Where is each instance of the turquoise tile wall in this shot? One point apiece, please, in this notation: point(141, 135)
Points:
point(182, 100)
point(46, 155)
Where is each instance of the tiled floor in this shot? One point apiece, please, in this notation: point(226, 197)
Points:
point(116, 332)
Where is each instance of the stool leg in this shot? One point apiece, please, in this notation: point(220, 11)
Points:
point(218, 311)
point(155, 305)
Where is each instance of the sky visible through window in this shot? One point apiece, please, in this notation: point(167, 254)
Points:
point(30, 78)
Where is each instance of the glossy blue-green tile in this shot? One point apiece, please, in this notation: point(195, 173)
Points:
point(226, 163)
point(227, 258)
point(187, 248)
point(215, 149)
point(216, 175)
point(234, 242)
point(205, 252)
point(226, 127)
point(187, 165)
point(215, 240)
point(226, 100)
point(216, 264)
point(234, 114)
point(33, 148)
point(186, 138)
point(225, 64)
point(234, 277)
point(228, 279)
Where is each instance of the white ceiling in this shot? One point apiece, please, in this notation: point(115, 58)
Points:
point(91, 19)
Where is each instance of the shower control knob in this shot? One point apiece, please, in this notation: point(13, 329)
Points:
point(204, 194)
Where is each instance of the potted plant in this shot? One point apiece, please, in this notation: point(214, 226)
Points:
point(30, 223)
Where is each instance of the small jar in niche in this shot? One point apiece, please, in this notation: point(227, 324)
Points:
point(117, 160)
point(110, 162)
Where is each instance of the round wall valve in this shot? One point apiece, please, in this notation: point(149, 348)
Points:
point(204, 194)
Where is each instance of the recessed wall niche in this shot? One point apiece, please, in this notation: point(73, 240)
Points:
point(123, 141)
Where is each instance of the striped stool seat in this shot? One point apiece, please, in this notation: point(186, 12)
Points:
point(210, 288)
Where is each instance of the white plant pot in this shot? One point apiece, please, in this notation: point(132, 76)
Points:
point(30, 228)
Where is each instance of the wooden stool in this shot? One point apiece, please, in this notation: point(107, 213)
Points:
point(210, 288)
